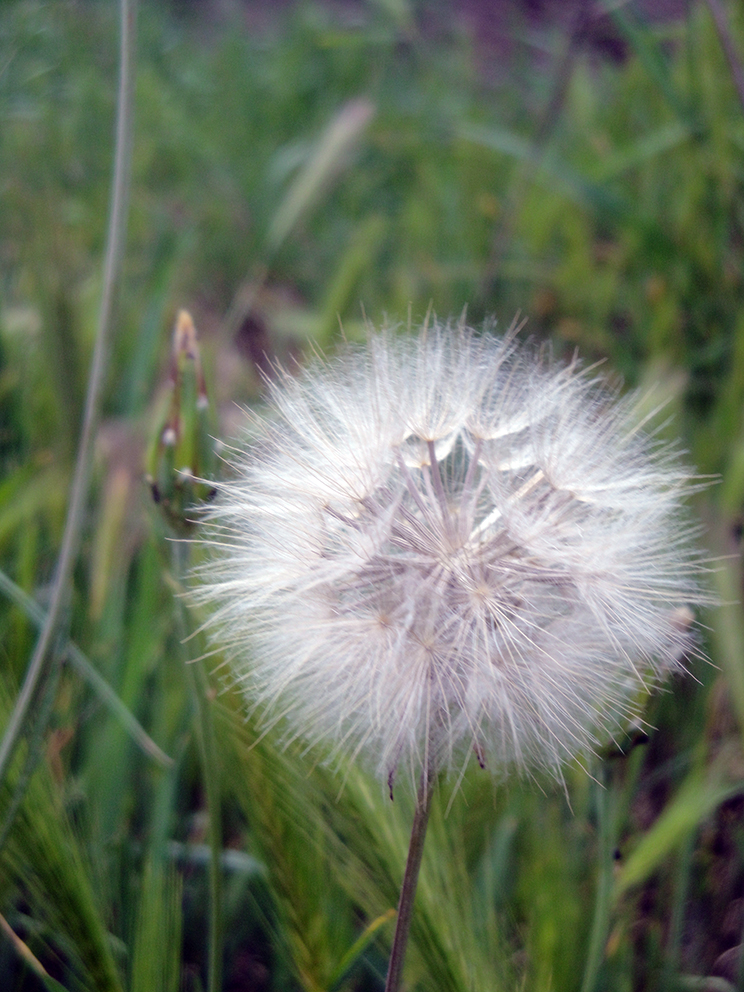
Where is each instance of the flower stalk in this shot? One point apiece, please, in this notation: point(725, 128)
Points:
point(410, 880)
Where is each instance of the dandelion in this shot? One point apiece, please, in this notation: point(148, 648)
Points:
point(442, 546)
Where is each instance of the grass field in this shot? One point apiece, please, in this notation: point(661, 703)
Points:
point(290, 175)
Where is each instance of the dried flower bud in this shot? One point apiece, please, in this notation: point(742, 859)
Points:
point(443, 546)
point(182, 454)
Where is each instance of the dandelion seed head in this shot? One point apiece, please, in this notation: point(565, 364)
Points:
point(445, 545)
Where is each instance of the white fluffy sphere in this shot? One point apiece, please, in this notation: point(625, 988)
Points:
point(442, 545)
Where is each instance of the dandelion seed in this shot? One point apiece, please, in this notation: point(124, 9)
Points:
point(443, 546)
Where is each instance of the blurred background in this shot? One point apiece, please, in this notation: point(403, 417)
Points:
point(298, 168)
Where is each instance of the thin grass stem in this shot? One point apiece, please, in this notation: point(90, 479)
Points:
point(115, 239)
point(606, 804)
point(205, 734)
point(677, 918)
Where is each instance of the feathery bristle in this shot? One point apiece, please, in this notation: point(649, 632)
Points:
point(445, 546)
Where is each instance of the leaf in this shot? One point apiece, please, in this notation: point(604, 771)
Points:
point(156, 958)
point(29, 958)
point(326, 160)
point(700, 795)
point(357, 949)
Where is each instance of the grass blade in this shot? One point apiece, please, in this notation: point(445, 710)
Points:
point(85, 668)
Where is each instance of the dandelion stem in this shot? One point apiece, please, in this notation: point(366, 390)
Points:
point(410, 878)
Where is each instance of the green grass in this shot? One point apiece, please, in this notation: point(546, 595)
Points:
point(284, 178)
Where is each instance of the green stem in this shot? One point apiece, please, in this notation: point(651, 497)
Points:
point(207, 754)
point(79, 491)
point(205, 734)
point(410, 878)
point(679, 904)
point(606, 800)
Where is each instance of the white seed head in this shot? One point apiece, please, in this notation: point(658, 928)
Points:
point(444, 545)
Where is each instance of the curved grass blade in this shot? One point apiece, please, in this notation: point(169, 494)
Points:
point(29, 958)
point(85, 668)
point(357, 949)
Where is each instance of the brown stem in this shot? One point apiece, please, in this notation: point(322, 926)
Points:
point(410, 878)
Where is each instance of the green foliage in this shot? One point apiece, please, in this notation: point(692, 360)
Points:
point(156, 957)
point(150, 835)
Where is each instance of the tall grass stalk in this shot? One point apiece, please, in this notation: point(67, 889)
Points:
point(207, 744)
point(606, 806)
point(115, 240)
